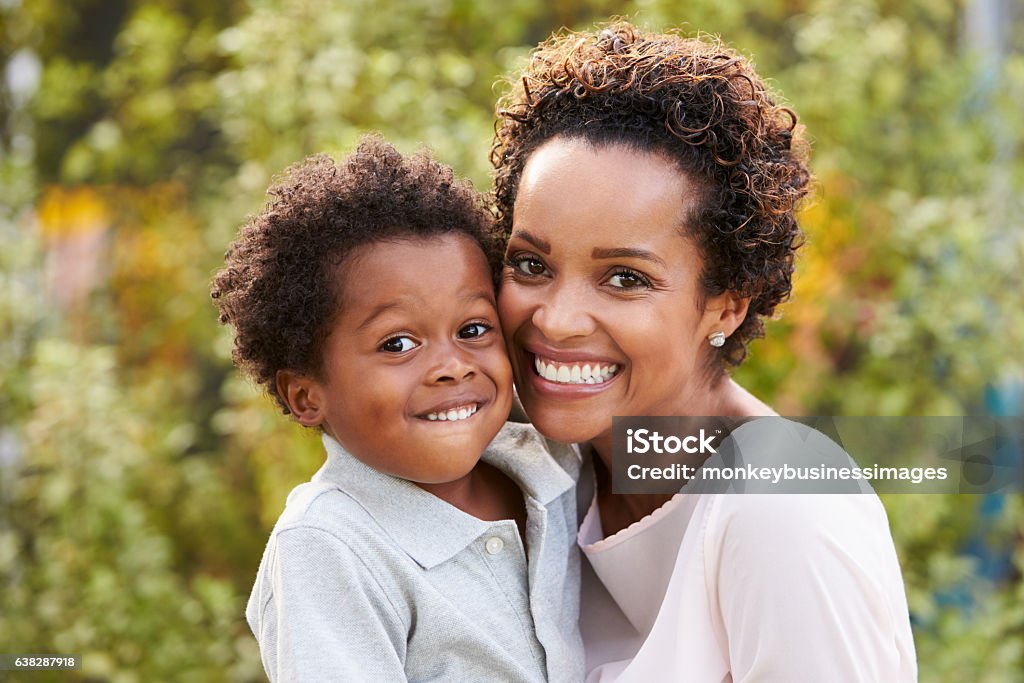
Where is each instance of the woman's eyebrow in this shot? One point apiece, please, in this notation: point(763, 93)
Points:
point(541, 245)
point(627, 252)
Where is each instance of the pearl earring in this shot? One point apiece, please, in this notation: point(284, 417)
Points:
point(717, 339)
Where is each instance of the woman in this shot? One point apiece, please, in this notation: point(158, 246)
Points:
point(647, 186)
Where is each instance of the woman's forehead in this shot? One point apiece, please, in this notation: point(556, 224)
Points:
point(606, 196)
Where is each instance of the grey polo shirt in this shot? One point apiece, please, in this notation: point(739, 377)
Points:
point(368, 577)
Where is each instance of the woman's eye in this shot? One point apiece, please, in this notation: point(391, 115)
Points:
point(527, 265)
point(398, 345)
point(627, 279)
point(474, 330)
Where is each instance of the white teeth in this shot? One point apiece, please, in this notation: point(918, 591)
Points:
point(573, 373)
point(460, 413)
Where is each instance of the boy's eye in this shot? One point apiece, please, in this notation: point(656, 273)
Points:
point(528, 265)
point(628, 279)
point(474, 330)
point(398, 345)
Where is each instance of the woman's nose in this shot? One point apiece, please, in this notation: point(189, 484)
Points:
point(564, 313)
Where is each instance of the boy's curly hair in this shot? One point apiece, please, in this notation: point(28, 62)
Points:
point(277, 288)
point(702, 105)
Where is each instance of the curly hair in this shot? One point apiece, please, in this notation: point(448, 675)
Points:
point(277, 288)
point(700, 104)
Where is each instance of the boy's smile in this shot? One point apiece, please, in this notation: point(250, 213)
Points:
point(415, 378)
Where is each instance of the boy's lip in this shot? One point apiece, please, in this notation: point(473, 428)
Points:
point(453, 404)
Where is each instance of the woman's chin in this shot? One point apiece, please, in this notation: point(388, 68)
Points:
point(565, 424)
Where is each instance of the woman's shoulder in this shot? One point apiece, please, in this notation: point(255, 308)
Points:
point(785, 499)
point(771, 499)
point(776, 455)
point(801, 522)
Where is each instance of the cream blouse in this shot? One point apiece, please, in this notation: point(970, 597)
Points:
point(715, 588)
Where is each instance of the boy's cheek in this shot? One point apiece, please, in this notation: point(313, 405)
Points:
point(504, 385)
point(501, 367)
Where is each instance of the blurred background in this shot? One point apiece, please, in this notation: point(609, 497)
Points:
point(139, 476)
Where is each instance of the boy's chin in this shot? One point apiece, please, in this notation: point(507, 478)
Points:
point(455, 457)
point(455, 469)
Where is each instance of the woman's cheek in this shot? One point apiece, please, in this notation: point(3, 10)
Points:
point(513, 303)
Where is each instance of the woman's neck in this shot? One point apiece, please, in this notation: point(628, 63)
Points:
point(724, 398)
point(618, 511)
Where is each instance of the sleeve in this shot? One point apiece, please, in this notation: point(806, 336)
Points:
point(324, 617)
point(809, 589)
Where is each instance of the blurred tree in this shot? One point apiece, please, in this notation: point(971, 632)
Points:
point(126, 88)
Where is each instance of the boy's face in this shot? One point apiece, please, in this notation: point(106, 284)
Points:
point(416, 381)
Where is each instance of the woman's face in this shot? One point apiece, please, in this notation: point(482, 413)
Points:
point(600, 299)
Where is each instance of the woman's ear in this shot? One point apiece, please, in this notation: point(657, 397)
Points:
point(302, 395)
point(725, 312)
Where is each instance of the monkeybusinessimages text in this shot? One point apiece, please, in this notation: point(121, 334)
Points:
point(644, 441)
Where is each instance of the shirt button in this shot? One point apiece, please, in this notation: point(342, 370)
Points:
point(494, 545)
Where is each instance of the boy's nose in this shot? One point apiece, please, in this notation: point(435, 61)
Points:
point(452, 366)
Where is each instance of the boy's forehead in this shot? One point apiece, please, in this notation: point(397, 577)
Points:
point(419, 275)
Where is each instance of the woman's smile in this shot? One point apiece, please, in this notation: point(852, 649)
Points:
point(576, 378)
point(574, 373)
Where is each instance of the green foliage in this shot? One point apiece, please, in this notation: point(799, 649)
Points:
point(85, 541)
point(139, 476)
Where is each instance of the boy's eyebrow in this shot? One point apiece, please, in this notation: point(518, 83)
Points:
point(377, 312)
point(482, 294)
point(384, 308)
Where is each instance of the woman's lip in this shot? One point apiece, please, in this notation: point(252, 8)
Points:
point(545, 387)
point(567, 356)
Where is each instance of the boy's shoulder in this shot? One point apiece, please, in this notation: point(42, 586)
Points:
point(323, 519)
point(339, 498)
point(323, 505)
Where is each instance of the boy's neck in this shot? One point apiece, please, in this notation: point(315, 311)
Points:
point(486, 493)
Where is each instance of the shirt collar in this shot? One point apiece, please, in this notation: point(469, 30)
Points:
point(427, 528)
point(530, 461)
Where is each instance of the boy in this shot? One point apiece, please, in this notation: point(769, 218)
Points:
point(436, 542)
